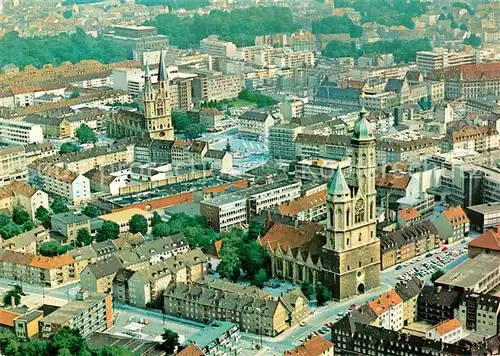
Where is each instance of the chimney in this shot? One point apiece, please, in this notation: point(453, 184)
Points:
point(12, 301)
point(438, 289)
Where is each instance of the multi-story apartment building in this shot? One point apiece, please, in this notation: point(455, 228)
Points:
point(225, 212)
point(389, 310)
point(321, 169)
point(330, 147)
point(219, 160)
point(88, 313)
point(470, 81)
point(401, 245)
point(282, 140)
point(308, 208)
point(452, 225)
point(18, 193)
point(410, 151)
point(480, 313)
point(289, 59)
point(73, 187)
point(12, 163)
point(211, 118)
point(68, 224)
point(216, 86)
point(19, 132)
point(256, 124)
point(409, 292)
point(144, 286)
point(188, 153)
point(217, 48)
point(40, 150)
point(294, 108)
point(479, 139)
point(218, 338)
point(251, 308)
point(441, 58)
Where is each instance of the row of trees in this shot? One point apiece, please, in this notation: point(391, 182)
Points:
point(66, 341)
point(176, 4)
point(336, 25)
point(239, 26)
point(259, 99)
point(404, 51)
point(39, 51)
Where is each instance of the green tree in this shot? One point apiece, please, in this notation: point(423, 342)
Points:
point(10, 230)
point(442, 17)
point(253, 257)
point(156, 219)
point(68, 147)
point(194, 130)
point(114, 350)
point(161, 230)
point(74, 94)
point(436, 275)
point(322, 294)
point(85, 134)
point(230, 265)
point(108, 231)
point(138, 223)
point(52, 248)
point(83, 237)
point(43, 215)
point(28, 225)
point(9, 344)
point(338, 49)
point(473, 40)
point(307, 288)
point(170, 341)
point(68, 14)
point(453, 25)
point(255, 230)
point(91, 211)
point(4, 219)
point(10, 295)
point(67, 342)
point(20, 215)
point(260, 278)
point(59, 206)
point(464, 27)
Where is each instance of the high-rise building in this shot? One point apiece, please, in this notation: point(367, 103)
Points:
point(351, 256)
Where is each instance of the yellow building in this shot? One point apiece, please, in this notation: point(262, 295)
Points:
point(123, 217)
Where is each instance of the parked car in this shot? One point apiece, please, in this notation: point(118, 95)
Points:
point(444, 249)
point(429, 254)
point(352, 306)
point(398, 267)
point(303, 323)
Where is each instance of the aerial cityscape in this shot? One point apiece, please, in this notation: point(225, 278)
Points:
point(249, 177)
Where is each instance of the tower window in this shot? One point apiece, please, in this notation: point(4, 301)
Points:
point(348, 212)
point(160, 109)
point(359, 263)
point(347, 241)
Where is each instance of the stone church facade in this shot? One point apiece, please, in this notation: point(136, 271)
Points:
point(346, 256)
point(156, 119)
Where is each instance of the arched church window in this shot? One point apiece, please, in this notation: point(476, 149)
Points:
point(372, 208)
point(347, 219)
point(359, 237)
point(359, 213)
point(331, 217)
point(160, 109)
point(339, 217)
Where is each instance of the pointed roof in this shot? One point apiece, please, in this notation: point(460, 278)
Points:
point(338, 186)
point(147, 79)
point(362, 128)
point(162, 70)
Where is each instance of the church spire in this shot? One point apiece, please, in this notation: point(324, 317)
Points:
point(162, 70)
point(148, 87)
point(338, 186)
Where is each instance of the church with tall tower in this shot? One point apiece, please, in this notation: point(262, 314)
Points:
point(351, 255)
point(344, 256)
point(155, 120)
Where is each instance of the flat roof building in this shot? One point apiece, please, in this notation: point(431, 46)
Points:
point(484, 216)
point(480, 274)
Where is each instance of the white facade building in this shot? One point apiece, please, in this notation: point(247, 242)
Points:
point(20, 132)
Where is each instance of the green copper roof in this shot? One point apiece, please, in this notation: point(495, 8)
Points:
point(363, 129)
point(338, 186)
point(162, 70)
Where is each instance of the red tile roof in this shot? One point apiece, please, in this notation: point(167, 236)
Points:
point(51, 262)
point(409, 213)
point(393, 181)
point(456, 216)
point(191, 350)
point(383, 303)
point(315, 346)
point(305, 203)
point(448, 326)
point(473, 72)
point(289, 237)
point(489, 240)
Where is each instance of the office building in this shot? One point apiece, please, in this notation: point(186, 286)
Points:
point(441, 58)
point(484, 216)
point(140, 39)
point(480, 313)
point(256, 123)
point(12, 163)
point(88, 313)
point(19, 132)
point(225, 212)
point(282, 140)
point(217, 48)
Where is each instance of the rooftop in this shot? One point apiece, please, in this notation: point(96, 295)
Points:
point(471, 271)
point(489, 240)
point(125, 215)
point(385, 302)
point(448, 326)
point(212, 332)
point(489, 208)
point(315, 346)
point(304, 203)
point(73, 308)
point(70, 218)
